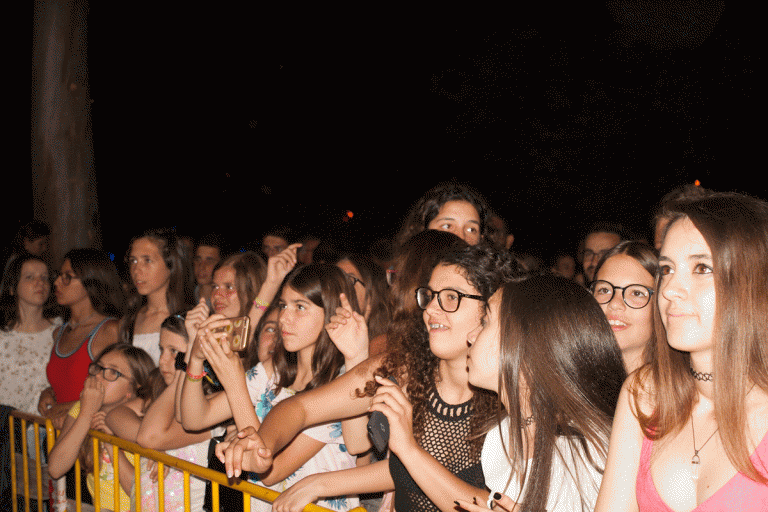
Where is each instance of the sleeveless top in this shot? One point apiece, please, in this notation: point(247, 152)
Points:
point(445, 435)
point(67, 372)
point(150, 342)
point(739, 493)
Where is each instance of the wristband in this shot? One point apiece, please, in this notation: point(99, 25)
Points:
point(196, 378)
point(261, 304)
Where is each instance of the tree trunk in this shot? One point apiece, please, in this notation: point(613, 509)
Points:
point(63, 180)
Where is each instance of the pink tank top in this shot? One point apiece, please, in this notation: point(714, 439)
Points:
point(739, 493)
point(67, 372)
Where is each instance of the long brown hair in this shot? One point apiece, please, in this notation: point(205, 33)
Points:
point(554, 335)
point(320, 283)
point(735, 227)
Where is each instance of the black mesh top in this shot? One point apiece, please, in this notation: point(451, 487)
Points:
point(445, 438)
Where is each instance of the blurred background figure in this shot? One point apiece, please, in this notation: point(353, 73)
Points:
point(600, 238)
point(208, 253)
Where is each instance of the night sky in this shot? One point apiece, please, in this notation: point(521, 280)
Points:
point(237, 121)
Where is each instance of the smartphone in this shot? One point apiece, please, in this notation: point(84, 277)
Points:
point(237, 333)
point(378, 427)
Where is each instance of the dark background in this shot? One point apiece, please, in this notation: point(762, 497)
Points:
point(234, 120)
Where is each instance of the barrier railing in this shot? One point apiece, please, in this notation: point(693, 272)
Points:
point(188, 469)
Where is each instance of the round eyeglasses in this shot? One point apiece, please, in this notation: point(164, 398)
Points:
point(66, 277)
point(636, 296)
point(110, 374)
point(448, 299)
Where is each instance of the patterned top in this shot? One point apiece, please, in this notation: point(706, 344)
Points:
point(23, 358)
point(332, 457)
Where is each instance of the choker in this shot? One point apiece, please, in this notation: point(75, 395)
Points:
point(701, 376)
point(527, 421)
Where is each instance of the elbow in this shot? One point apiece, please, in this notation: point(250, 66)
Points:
point(148, 439)
point(55, 471)
point(358, 448)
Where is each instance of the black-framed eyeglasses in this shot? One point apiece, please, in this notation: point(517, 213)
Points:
point(636, 296)
point(355, 280)
point(448, 299)
point(66, 277)
point(109, 374)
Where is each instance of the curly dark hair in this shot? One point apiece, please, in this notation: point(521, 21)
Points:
point(410, 358)
point(427, 207)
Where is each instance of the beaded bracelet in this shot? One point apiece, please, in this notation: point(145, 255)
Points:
point(196, 378)
point(261, 304)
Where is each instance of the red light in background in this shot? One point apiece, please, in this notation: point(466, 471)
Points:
point(350, 214)
point(697, 183)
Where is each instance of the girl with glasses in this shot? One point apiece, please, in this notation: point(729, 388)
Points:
point(119, 373)
point(624, 288)
point(691, 425)
point(88, 287)
point(435, 418)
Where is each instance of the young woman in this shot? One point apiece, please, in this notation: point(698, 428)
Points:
point(434, 459)
point(263, 346)
point(26, 332)
point(161, 275)
point(691, 426)
point(624, 287)
point(119, 373)
point(546, 349)
point(451, 207)
point(152, 424)
point(305, 358)
point(88, 287)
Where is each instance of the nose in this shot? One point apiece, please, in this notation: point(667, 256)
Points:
point(433, 306)
point(617, 301)
point(672, 288)
point(472, 336)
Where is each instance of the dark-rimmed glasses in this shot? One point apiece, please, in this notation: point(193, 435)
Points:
point(448, 299)
point(355, 280)
point(109, 374)
point(636, 296)
point(66, 277)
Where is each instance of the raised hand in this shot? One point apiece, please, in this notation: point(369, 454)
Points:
point(279, 265)
point(203, 330)
point(219, 354)
point(349, 332)
point(193, 319)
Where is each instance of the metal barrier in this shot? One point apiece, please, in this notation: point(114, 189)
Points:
point(216, 478)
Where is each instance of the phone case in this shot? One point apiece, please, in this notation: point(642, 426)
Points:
point(237, 333)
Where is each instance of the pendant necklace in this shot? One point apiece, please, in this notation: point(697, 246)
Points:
point(695, 461)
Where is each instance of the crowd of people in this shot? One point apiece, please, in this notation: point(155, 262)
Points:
point(633, 377)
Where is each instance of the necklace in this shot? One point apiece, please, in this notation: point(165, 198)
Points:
point(527, 421)
point(703, 376)
point(695, 461)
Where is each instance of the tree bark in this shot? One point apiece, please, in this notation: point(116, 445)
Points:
point(64, 184)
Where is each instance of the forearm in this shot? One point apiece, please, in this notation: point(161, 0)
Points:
point(284, 422)
point(440, 485)
point(123, 422)
point(240, 403)
point(359, 480)
point(127, 474)
point(158, 422)
point(67, 447)
point(196, 409)
point(355, 433)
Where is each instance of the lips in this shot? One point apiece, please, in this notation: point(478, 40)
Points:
point(617, 324)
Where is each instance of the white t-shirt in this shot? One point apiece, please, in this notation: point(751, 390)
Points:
point(565, 493)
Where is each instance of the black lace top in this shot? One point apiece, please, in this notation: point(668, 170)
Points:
point(445, 438)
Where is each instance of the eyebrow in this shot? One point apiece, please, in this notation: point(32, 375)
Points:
point(691, 257)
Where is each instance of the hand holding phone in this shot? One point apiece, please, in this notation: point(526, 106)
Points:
point(236, 333)
point(378, 427)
